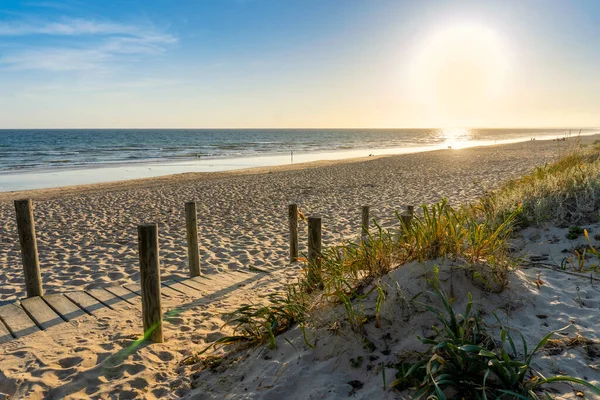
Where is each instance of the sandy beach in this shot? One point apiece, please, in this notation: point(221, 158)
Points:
point(87, 238)
point(299, 200)
point(87, 235)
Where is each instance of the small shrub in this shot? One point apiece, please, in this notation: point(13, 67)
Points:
point(257, 323)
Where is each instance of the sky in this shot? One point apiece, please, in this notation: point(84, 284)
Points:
point(299, 63)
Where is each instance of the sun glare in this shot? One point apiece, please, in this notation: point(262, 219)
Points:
point(458, 67)
point(455, 138)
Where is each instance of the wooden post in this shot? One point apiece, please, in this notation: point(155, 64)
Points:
point(407, 218)
point(191, 222)
point(365, 223)
point(314, 251)
point(150, 282)
point(29, 251)
point(293, 222)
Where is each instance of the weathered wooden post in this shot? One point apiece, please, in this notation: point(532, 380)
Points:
point(150, 282)
point(293, 223)
point(314, 251)
point(191, 222)
point(29, 251)
point(365, 223)
point(407, 218)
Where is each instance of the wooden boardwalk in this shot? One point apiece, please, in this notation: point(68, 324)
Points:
point(39, 311)
point(36, 314)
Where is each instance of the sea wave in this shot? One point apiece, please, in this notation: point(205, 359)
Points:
point(30, 149)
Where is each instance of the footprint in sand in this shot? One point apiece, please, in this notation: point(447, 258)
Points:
point(7, 291)
point(134, 369)
point(138, 383)
point(69, 362)
point(102, 356)
point(66, 373)
point(176, 320)
point(165, 356)
point(161, 392)
point(115, 275)
point(128, 394)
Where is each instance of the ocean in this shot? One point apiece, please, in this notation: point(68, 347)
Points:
point(32, 159)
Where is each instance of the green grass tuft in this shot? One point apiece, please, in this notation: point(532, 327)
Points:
point(566, 192)
point(464, 359)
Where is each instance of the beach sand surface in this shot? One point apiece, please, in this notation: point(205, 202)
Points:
point(87, 238)
point(87, 235)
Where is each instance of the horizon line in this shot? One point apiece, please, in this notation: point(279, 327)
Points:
point(301, 128)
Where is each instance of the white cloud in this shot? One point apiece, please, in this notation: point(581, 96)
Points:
point(57, 59)
point(75, 27)
point(89, 44)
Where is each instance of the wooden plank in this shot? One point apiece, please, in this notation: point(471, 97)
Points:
point(165, 291)
point(224, 280)
point(17, 321)
point(5, 335)
point(206, 283)
point(40, 312)
point(197, 289)
point(64, 307)
point(186, 290)
point(85, 301)
point(168, 292)
point(205, 278)
point(202, 287)
point(134, 287)
point(127, 295)
point(108, 298)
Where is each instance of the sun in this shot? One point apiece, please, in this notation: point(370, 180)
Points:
point(457, 67)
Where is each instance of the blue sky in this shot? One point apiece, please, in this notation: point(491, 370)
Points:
point(299, 63)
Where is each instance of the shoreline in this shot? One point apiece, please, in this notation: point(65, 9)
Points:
point(33, 180)
point(182, 177)
point(49, 192)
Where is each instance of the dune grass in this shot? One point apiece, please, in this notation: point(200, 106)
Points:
point(348, 272)
point(566, 192)
point(475, 235)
